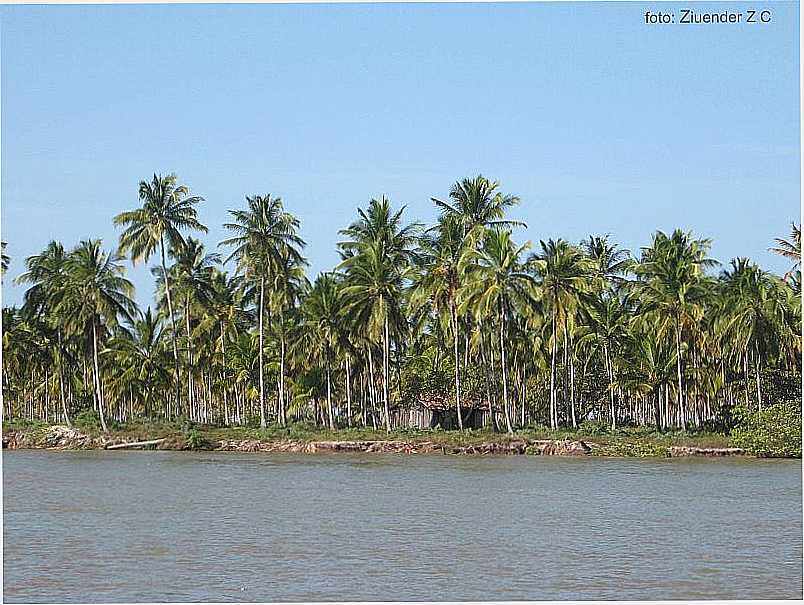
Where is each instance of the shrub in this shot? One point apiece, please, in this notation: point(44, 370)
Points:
point(594, 428)
point(774, 432)
point(193, 439)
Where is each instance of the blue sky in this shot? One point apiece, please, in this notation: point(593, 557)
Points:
point(600, 123)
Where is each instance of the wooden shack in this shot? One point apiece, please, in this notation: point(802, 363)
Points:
point(432, 412)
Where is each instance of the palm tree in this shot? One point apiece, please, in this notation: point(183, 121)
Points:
point(564, 271)
point(191, 275)
point(4, 258)
point(323, 327)
point(141, 358)
point(373, 299)
point(608, 264)
point(606, 318)
point(672, 284)
point(477, 202)
point(264, 235)
point(47, 274)
point(791, 249)
point(378, 224)
point(440, 275)
point(377, 259)
point(650, 366)
point(96, 296)
point(498, 284)
point(752, 314)
point(167, 210)
point(224, 318)
point(288, 285)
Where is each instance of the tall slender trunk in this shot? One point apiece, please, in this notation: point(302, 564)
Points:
point(678, 370)
point(372, 388)
point(223, 376)
point(61, 384)
point(192, 412)
point(282, 407)
point(759, 388)
point(173, 326)
point(455, 337)
point(329, 396)
point(504, 376)
point(568, 337)
point(611, 387)
point(262, 369)
point(553, 406)
point(97, 377)
point(487, 371)
point(386, 350)
point(348, 393)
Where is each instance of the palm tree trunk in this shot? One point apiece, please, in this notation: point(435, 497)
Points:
point(190, 395)
point(97, 377)
point(173, 325)
point(484, 360)
point(759, 389)
point(457, 368)
point(329, 396)
point(385, 370)
point(282, 413)
point(61, 384)
point(504, 376)
point(348, 393)
point(678, 371)
point(262, 379)
point(223, 378)
point(571, 371)
point(553, 406)
point(611, 387)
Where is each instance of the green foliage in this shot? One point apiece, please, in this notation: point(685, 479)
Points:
point(193, 440)
point(774, 432)
point(594, 427)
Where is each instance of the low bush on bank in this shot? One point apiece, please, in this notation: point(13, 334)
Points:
point(774, 432)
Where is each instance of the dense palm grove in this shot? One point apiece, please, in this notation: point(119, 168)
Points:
point(456, 314)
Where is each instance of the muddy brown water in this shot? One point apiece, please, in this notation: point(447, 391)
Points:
point(101, 526)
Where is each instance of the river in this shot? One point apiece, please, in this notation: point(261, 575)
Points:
point(179, 526)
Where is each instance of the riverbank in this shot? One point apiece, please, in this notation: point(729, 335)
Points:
point(301, 439)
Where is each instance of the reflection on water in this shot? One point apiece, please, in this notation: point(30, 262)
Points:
point(180, 526)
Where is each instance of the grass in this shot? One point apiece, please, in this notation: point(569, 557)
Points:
point(629, 441)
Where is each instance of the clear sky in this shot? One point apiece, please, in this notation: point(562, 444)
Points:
point(600, 123)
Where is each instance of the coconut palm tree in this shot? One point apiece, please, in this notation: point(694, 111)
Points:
point(47, 274)
point(379, 224)
point(373, 298)
point(265, 236)
point(167, 211)
point(96, 296)
point(606, 326)
point(377, 257)
point(608, 263)
point(497, 285)
point(791, 249)
point(752, 314)
point(672, 284)
point(224, 318)
point(288, 286)
point(323, 328)
point(141, 358)
point(478, 202)
point(191, 276)
point(4, 258)
point(439, 277)
point(564, 273)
